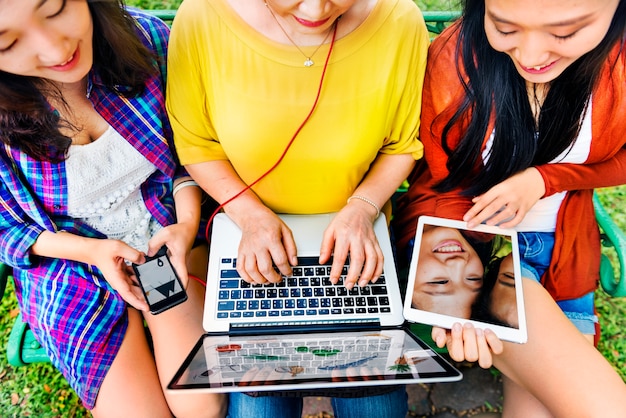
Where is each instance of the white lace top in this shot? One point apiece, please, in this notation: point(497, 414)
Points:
point(104, 179)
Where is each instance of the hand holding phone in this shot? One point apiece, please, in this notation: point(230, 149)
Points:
point(159, 282)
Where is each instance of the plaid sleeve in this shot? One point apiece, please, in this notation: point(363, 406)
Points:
point(17, 232)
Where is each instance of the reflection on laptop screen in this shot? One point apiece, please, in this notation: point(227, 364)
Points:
point(282, 362)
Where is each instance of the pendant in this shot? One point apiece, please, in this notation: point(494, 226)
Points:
point(308, 62)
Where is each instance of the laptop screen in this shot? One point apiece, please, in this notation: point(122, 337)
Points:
point(466, 275)
point(222, 363)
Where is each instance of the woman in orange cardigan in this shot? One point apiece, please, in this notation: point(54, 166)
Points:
point(520, 121)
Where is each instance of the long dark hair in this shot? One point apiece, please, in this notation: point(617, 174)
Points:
point(493, 84)
point(27, 121)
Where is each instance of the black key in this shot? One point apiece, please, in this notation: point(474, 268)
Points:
point(379, 290)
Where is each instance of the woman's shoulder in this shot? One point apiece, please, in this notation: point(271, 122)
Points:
point(444, 46)
point(153, 32)
point(145, 19)
point(149, 25)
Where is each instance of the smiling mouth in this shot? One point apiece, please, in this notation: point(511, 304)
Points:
point(67, 61)
point(449, 248)
point(309, 23)
point(539, 68)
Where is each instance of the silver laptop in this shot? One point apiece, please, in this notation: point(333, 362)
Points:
point(303, 333)
point(463, 275)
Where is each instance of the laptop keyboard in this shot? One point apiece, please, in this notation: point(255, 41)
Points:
point(308, 292)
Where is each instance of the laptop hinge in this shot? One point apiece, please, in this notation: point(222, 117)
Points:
point(264, 328)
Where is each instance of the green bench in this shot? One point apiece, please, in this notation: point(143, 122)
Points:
point(23, 349)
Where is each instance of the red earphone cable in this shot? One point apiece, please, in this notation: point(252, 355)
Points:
point(319, 91)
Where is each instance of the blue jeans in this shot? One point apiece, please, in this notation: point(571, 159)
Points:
point(389, 405)
point(535, 255)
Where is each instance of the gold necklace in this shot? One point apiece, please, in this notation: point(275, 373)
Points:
point(308, 62)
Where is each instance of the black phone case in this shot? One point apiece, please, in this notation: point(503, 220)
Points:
point(170, 301)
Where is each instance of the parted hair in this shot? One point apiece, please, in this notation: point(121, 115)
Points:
point(493, 84)
point(27, 121)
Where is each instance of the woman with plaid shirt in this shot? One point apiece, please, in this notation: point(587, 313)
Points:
point(86, 186)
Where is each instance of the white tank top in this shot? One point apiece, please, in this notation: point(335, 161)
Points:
point(103, 181)
point(542, 216)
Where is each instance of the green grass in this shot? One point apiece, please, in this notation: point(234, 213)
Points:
point(38, 390)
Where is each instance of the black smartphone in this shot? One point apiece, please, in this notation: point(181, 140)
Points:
point(159, 282)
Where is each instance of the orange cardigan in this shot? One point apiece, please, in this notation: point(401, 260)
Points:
point(574, 270)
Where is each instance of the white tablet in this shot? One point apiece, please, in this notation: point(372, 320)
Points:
point(463, 275)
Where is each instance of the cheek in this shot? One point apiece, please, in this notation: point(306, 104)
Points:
point(575, 50)
point(17, 64)
point(498, 42)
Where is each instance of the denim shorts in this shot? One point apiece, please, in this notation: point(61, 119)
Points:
point(535, 256)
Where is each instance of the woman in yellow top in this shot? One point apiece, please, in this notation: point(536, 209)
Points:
point(243, 76)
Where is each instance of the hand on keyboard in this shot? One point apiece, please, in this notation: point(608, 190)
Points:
point(267, 249)
point(351, 233)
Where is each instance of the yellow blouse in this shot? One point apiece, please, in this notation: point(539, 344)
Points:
point(233, 94)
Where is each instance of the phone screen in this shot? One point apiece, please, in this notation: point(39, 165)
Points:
point(160, 284)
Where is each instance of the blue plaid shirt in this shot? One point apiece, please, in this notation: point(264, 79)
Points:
point(73, 311)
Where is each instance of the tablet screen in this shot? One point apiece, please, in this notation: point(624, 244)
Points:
point(462, 275)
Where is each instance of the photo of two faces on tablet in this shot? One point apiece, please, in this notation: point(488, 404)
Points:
point(466, 275)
